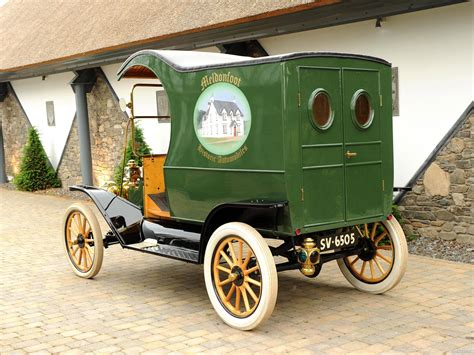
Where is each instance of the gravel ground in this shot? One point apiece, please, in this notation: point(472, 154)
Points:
point(431, 247)
point(442, 249)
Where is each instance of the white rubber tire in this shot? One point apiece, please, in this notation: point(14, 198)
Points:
point(267, 268)
point(399, 263)
point(98, 241)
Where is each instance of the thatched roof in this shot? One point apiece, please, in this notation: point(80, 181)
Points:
point(40, 32)
point(228, 106)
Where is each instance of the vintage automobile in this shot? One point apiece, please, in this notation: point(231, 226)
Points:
point(286, 158)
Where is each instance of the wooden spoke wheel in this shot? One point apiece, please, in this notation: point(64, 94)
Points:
point(237, 278)
point(83, 240)
point(240, 275)
point(383, 262)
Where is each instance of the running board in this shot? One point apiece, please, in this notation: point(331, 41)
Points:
point(169, 251)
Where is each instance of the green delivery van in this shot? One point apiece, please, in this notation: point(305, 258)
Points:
point(286, 158)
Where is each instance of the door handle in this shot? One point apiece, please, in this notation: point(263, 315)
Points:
point(351, 154)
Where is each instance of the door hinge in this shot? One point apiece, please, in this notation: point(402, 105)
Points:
point(380, 100)
point(302, 194)
point(383, 185)
point(299, 99)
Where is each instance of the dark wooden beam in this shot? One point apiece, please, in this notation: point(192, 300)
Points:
point(3, 91)
point(251, 48)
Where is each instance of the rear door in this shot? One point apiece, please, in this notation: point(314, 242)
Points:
point(320, 101)
point(341, 148)
point(362, 143)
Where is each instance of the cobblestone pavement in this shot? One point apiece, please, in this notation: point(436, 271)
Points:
point(142, 303)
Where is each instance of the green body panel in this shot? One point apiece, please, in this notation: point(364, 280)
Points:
point(284, 156)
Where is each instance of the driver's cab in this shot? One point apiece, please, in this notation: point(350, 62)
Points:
point(155, 123)
point(155, 201)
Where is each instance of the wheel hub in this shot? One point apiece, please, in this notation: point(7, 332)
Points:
point(237, 276)
point(81, 241)
point(368, 250)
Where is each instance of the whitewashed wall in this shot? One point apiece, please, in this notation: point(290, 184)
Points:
point(433, 50)
point(33, 94)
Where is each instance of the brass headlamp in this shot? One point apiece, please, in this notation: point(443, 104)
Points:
point(308, 256)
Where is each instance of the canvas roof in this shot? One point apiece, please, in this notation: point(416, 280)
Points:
point(40, 32)
point(188, 61)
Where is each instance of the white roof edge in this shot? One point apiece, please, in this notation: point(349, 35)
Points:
point(194, 60)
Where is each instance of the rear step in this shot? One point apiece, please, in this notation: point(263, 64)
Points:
point(169, 251)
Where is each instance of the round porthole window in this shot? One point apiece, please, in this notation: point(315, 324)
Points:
point(362, 111)
point(320, 109)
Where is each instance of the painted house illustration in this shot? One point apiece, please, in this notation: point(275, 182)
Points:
point(221, 119)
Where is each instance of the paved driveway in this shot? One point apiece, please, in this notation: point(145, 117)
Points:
point(141, 302)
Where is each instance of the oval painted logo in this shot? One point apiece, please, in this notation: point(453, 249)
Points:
point(222, 118)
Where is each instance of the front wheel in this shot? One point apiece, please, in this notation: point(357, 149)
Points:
point(382, 264)
point(240, 274)
point(82, 239)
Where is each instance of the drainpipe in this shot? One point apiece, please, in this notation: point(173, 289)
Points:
point(82, 84)
point(3, 175)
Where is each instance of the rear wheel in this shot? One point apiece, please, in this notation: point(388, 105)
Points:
point(240, 274)
point(382, 264)
point(83, 240)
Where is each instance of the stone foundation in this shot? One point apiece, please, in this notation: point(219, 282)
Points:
point(441, 203)
point(15, 127)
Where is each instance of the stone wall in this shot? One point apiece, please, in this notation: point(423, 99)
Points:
point(441, 203)
point(15, 127)
point(69, 168)
point(107, 127)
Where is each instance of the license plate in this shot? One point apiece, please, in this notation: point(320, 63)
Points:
point(340, 240)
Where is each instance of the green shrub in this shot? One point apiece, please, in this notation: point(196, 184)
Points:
point(36, 172)
point(142, 148)
point(397, 214)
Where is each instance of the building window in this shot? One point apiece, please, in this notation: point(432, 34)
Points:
point(395, 99)
point(162, 106)
point(50, 113)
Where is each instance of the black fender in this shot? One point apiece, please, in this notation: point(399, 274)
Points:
point(122, 216)
point(259, 214)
